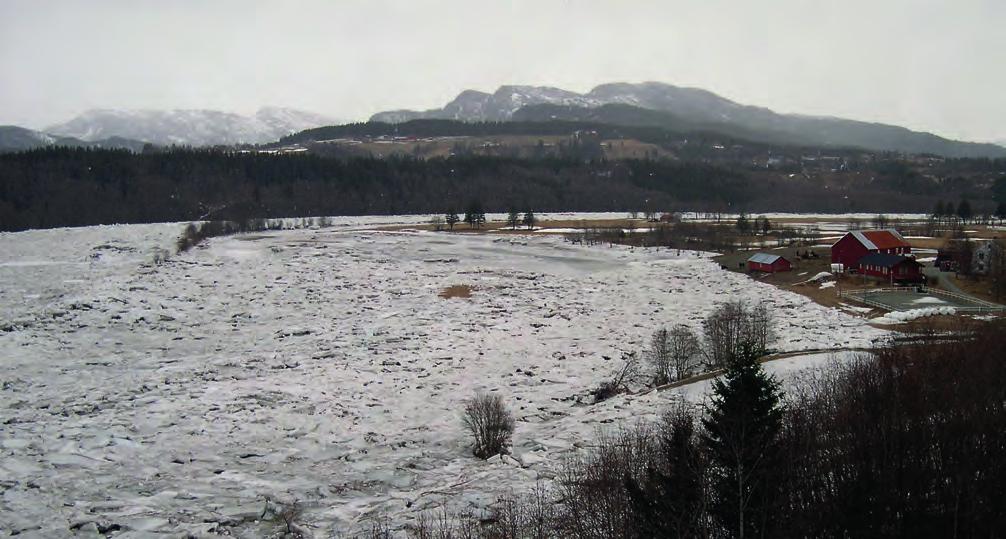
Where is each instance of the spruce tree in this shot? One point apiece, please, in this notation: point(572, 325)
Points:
point(742, 224)
point(451, 218)
point(741, 440)
point(765, 225)
point(475, 216)
point(529, 219)
point(513, 218)
point(964, 210)
point(939, 210)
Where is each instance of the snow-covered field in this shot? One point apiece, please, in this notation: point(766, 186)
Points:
point(321, 366)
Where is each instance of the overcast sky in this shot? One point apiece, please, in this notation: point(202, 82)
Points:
point(928, 65)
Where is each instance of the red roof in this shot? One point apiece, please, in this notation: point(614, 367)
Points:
point(884, 239)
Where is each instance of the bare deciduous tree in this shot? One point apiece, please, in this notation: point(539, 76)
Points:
point(685, 350)
point(659, 356)
point(731, 327)
point(673, 353)
point(490, 424)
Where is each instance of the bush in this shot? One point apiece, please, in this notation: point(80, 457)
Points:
point(195, 234)
point(596, 502)
point(905, 443)
point(670, 499)
point(617, 384)
point(490, 424)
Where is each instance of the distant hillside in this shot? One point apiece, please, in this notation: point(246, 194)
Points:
point(15, 139)
point(189, 127)
point(446, 128)
point(690, 108)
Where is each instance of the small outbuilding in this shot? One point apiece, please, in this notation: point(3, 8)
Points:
point(892, 268)
point(768, 263)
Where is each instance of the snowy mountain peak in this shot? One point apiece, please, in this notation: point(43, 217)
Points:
point(193, 127)
point(501, 105)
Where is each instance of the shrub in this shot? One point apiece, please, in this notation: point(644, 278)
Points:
point(617, 384)
point(596, 502)
point(490, 424)
point(671, 498)
point(287, 515)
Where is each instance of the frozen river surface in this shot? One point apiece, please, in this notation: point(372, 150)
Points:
point(321, 366)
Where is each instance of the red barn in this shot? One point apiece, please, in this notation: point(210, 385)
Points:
point(892, 268)
point(859, 243)
point(768, 263)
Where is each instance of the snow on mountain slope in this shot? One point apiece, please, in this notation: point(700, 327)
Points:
point(321, 366)
point(189, 126)
point(500, 105)
point(472, 105)
point(14, 138)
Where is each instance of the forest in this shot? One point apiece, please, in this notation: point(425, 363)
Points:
point(57, 187)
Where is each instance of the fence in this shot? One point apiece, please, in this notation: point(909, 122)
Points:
point(961, 302)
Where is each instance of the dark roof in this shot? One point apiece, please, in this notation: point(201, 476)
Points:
point(884, 260)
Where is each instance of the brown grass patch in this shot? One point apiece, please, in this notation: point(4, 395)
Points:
point(457, 291)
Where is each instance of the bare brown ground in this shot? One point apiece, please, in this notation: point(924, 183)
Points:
point(457, 291)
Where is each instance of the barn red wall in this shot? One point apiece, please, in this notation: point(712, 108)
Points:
point(778, 265)
point(848, 251)
point(911, 273)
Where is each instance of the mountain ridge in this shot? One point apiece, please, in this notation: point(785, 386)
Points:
point(190, 127)
point(693, 106)
point(15, 138)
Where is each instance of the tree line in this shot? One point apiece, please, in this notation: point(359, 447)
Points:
point(77, 187)
point(56, 187)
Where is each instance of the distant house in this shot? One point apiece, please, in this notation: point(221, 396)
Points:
point(768, 263)
point(975, 256)
point(859, 243)
point(891, 268)
point(947, 260)
point(981, 259)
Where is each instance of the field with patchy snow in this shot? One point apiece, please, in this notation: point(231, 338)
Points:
point(320, 365)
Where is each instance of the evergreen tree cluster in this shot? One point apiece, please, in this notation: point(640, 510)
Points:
point(76, 187)
point(58, 186)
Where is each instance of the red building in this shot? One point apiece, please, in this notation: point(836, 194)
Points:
point(859, 243)
point(891, 268)
point(768, 263)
